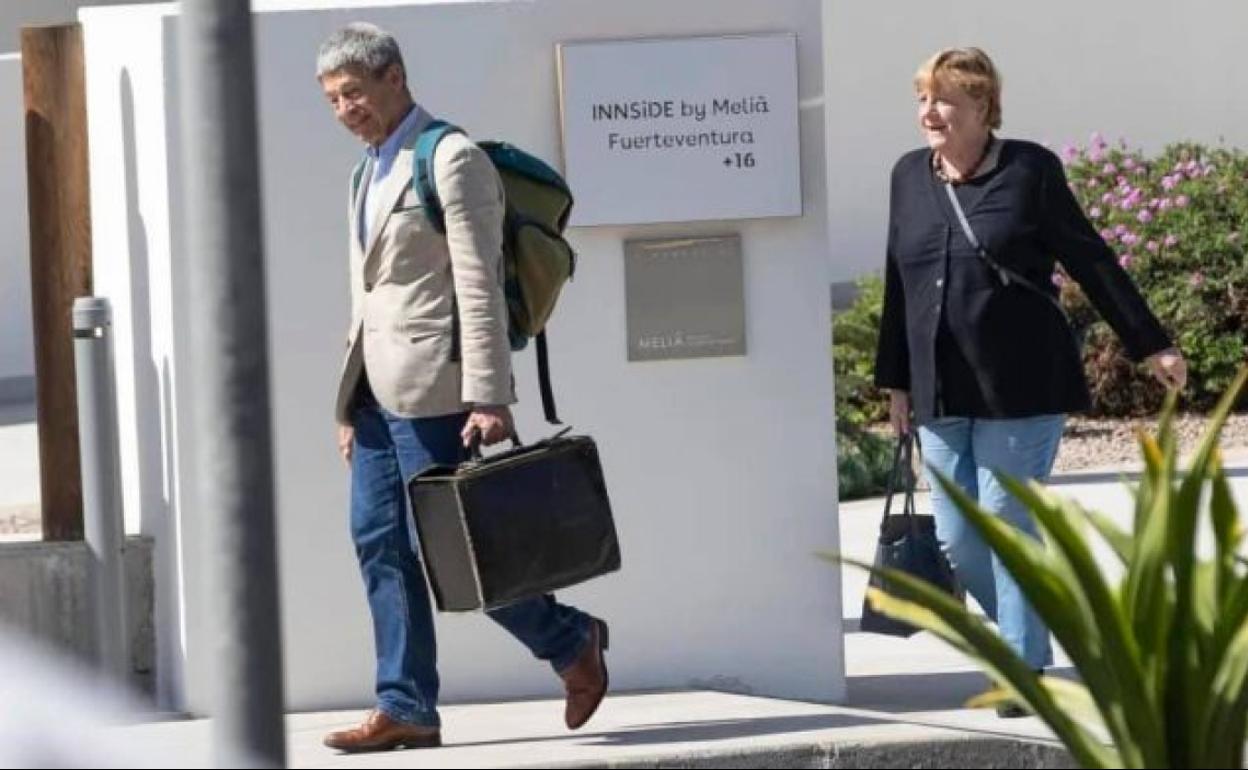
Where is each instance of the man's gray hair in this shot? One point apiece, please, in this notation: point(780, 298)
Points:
point(359, 44)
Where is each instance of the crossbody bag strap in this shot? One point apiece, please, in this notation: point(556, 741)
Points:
point(1005, 274)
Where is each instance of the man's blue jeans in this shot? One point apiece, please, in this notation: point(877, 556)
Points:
point(968, 450)
point(387, 451)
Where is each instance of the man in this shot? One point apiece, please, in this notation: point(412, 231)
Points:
point(427, 366)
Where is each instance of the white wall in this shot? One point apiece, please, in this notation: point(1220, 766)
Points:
point(17, 362)
point(1150, 71)
point(721, 471)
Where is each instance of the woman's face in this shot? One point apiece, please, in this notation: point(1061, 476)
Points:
point(951, 119)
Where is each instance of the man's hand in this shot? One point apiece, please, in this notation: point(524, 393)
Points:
point(346, 438)
point(1169, 368)
point(899, 411)
point(494, 423)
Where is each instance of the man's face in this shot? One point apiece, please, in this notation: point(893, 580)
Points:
point(370, 106)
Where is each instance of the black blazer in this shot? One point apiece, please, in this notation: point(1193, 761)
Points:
point(958, 339)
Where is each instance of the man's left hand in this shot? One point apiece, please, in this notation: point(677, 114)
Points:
point(494, 423)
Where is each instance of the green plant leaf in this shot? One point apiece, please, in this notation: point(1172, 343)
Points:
point(921, 604)
point(1114, 672)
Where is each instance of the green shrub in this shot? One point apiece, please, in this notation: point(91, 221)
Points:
point(863, 458)
point(863, 462)
point(1178, 223)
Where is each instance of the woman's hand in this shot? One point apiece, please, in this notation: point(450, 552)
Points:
point(899, 411)
point(1169, 368)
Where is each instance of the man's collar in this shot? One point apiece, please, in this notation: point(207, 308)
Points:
point(390, 147)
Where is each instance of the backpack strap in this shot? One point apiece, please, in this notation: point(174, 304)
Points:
point(543, 380)
point(423, 181)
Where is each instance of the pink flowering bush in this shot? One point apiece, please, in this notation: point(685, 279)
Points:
point(1178, 223)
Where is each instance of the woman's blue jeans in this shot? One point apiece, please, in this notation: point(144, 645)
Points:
point(387, 451)
point(968, 450)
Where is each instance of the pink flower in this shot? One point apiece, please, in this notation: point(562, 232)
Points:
point(1095, 212)
point(1153, 246)
point(1098, 140)
point(1109, 168)
point(1144, 216)
point(1125, 260)
point(1154, 203)
point(1096, 154)
point(1120, 230)
point(1127, 203)
point(1197, 279)
point(1182, 201)
point(1108, 235)
point(1070, 153)
point(1107, 198)
point(1166, 204)
point(1170, 240)
point(1093, 183)
point(1130, 239)
point(1168, 183)
point(1128, 163)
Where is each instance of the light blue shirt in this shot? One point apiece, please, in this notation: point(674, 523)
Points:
point(381, 160)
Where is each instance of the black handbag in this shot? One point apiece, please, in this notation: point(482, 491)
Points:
point(907, 543)
point(514, 525)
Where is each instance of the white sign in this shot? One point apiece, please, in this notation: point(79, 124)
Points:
point(681, 130)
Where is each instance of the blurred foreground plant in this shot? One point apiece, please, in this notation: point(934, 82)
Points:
point(1161, 652)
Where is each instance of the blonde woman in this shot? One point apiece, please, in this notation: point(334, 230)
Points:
point(974, 349)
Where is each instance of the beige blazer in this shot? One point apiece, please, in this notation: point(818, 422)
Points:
point(407, 281)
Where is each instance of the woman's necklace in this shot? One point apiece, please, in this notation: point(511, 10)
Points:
point(938, 165)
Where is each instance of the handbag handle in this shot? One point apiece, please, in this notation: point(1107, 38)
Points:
point(902, 473)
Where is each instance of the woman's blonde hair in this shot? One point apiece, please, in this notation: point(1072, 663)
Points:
point(968, 69)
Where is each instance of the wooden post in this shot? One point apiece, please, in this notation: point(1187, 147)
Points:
point(60, 256)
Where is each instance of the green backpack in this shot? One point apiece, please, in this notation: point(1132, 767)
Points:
point(537, 259)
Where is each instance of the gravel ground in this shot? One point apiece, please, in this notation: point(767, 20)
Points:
point(1090, 443)
point(19, 519)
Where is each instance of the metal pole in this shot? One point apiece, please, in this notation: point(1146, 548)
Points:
point(230, 374)
point(101, 481)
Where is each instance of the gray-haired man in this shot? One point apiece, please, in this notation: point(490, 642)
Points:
point(404, 402)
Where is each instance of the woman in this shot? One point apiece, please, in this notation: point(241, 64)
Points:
point(973, 347)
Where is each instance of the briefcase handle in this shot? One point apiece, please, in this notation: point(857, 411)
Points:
point(474, 443)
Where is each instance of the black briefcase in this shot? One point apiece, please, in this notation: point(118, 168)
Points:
point(516, 524)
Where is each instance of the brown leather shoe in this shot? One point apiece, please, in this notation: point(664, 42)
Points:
point(381, 733)
point(586, 679)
